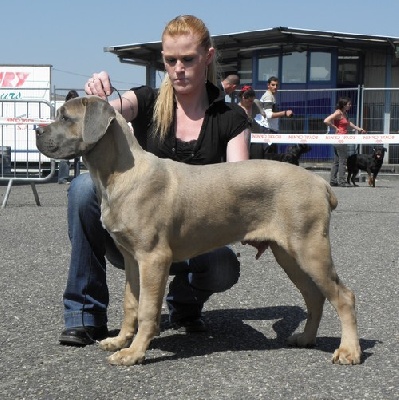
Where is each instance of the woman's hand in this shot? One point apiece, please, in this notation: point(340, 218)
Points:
point(99, 85)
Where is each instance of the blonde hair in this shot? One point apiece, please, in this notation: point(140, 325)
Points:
point(181, 25)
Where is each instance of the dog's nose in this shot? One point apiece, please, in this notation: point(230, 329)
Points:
point(39, 130)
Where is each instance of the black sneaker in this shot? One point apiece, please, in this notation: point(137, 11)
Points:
point(345, 184)
point(189, 325)
point(333, 184)
point(83, 336)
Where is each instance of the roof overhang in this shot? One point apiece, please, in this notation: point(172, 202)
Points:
point(234, 46)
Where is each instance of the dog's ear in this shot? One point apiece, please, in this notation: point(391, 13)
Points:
point(98, 116)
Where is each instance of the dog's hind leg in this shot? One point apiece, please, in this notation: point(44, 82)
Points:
point(354, 172)
point(348, 178)
point(314, 258)
point(313, 298)
point(130, 308)
point(154, 272)
point(343, 300)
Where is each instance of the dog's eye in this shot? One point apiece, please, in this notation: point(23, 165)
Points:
point(64, 118)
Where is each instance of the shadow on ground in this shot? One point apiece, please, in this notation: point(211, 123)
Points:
point(231, 330)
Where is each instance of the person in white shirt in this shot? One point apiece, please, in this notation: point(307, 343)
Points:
point(268, 103)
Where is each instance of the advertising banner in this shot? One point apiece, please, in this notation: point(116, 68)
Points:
point(25, 95)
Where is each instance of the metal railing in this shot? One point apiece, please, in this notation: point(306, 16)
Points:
point(20, 161)
point(375, 109)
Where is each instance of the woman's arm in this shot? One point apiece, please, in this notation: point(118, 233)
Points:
point(127, 105)
point(329, 121)
point(353, 126)
point(237, 148)
point(100, 85)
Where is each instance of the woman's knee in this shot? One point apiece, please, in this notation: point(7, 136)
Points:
point(112, 253)
point(82, 196)
point(83, 207)
point(220, 271)
point(81, 190)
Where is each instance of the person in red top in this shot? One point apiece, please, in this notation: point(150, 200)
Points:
point(339, 121)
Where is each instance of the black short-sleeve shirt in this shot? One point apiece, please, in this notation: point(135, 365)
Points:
point(223, 121)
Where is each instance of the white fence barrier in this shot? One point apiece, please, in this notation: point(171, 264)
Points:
point(10, 158)
point(324, 138)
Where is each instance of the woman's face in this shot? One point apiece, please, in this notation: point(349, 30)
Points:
point(247, 101)
point(186, 62)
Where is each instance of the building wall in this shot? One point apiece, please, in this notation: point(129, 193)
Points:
point(375, 69)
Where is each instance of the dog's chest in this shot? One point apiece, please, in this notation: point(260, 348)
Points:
point(111, 216)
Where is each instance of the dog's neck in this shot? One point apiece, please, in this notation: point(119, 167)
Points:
point(112, 155)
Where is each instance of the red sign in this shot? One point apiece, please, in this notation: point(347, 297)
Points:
point(13, 79)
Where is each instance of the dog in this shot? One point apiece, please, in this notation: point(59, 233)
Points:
point(292, 154)
point(366, 162)
point(160, 211)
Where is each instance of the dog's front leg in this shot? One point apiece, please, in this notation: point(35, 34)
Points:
point(130, 308)
point(154, 272)
point(370, 176)
point(373, 179)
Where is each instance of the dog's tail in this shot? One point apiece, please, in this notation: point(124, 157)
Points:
point(332, 199)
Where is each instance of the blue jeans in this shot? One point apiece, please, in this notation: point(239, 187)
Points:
point(86, 295)
point(63, 170)
point(339, 164)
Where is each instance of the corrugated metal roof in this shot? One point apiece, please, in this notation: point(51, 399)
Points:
point(233, 46)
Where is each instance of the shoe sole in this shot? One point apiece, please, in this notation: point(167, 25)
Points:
point(73, 341)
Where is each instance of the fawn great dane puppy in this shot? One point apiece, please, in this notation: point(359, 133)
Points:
point(159, 211)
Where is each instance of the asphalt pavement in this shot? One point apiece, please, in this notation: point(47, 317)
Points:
point(243, 355)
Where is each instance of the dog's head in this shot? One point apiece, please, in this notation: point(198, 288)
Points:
point(298, 149)
point(304, 148)
point(79, 124)
point(378, 153)
point(293, 153)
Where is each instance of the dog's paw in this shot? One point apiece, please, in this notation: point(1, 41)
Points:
point(126, 357)
point(346, 356)
point(301, 340)
point(114, 343)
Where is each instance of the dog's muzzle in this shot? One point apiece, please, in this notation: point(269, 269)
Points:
point(39, 131)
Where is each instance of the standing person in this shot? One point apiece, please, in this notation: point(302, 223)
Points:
point(268, 103)
point(246, 98)
point(229, 84)
point(339, 121)
point(188, 121)
point(63, 165)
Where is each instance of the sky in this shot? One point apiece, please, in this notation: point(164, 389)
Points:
point(71, 35)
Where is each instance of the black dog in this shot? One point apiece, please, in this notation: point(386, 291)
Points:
point(292, 154)
point(366, 162)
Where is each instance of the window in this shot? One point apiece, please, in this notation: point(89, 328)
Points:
point(348, 70)
point(245, 71)
point(267, 67)
point(302, 67)
point(294, 68)
point(320, 66)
